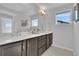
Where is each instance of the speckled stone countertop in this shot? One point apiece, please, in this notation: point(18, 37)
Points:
point(23, 36)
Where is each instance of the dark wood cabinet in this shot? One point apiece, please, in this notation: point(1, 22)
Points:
point(14, 49)
point(49, 40)
point(0, 51)
point(42, 50)
point(42, 41)
point(29, 47)
point(42, 44)
point(32, 47)
point(24, 48)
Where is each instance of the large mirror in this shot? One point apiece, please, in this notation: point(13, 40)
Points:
point(35, 24)
point(7, 23)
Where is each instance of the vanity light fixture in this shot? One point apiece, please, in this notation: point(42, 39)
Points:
point(43, 11)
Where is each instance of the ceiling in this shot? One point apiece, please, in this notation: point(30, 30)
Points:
point(29, 7)
point(22, 6)
point(51, 5)
point(17, 6)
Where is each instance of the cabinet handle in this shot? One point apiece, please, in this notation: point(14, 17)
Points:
point(23, 48)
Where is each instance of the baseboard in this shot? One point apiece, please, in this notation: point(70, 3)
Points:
point(63, 47)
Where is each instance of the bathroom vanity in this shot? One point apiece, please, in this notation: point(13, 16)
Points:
point(27, 45)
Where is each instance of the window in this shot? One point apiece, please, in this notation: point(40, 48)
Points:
point(64, 17)
point(6, 25)
point(35, 22)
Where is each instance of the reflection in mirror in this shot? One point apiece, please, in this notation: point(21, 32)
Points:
point(24, 23)
point(34, 21)
point(35, 24)
point(6, 25)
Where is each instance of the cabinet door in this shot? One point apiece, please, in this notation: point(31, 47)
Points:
point(42, 41)
point(14, 49)
point(24, 48)
point(32, 47)
point(42, 44)
point(49, 39)
point(0, 51)
point(42, 49)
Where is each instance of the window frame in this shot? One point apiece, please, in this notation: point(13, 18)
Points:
point(4, 25)
point(61, 12)
point(33, 18)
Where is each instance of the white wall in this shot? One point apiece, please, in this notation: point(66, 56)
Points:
point(63, 32)
point(76, 38)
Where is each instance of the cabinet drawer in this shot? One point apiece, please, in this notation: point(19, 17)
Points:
point(44, 37)
point(32, 47)
point(41, 43)
point(14, 49)
point(12, 45)
point(42, 49)
point(39, 38)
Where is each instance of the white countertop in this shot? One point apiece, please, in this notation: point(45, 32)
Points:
point(22, 37)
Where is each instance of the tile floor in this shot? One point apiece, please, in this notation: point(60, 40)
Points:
point(54, 51)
